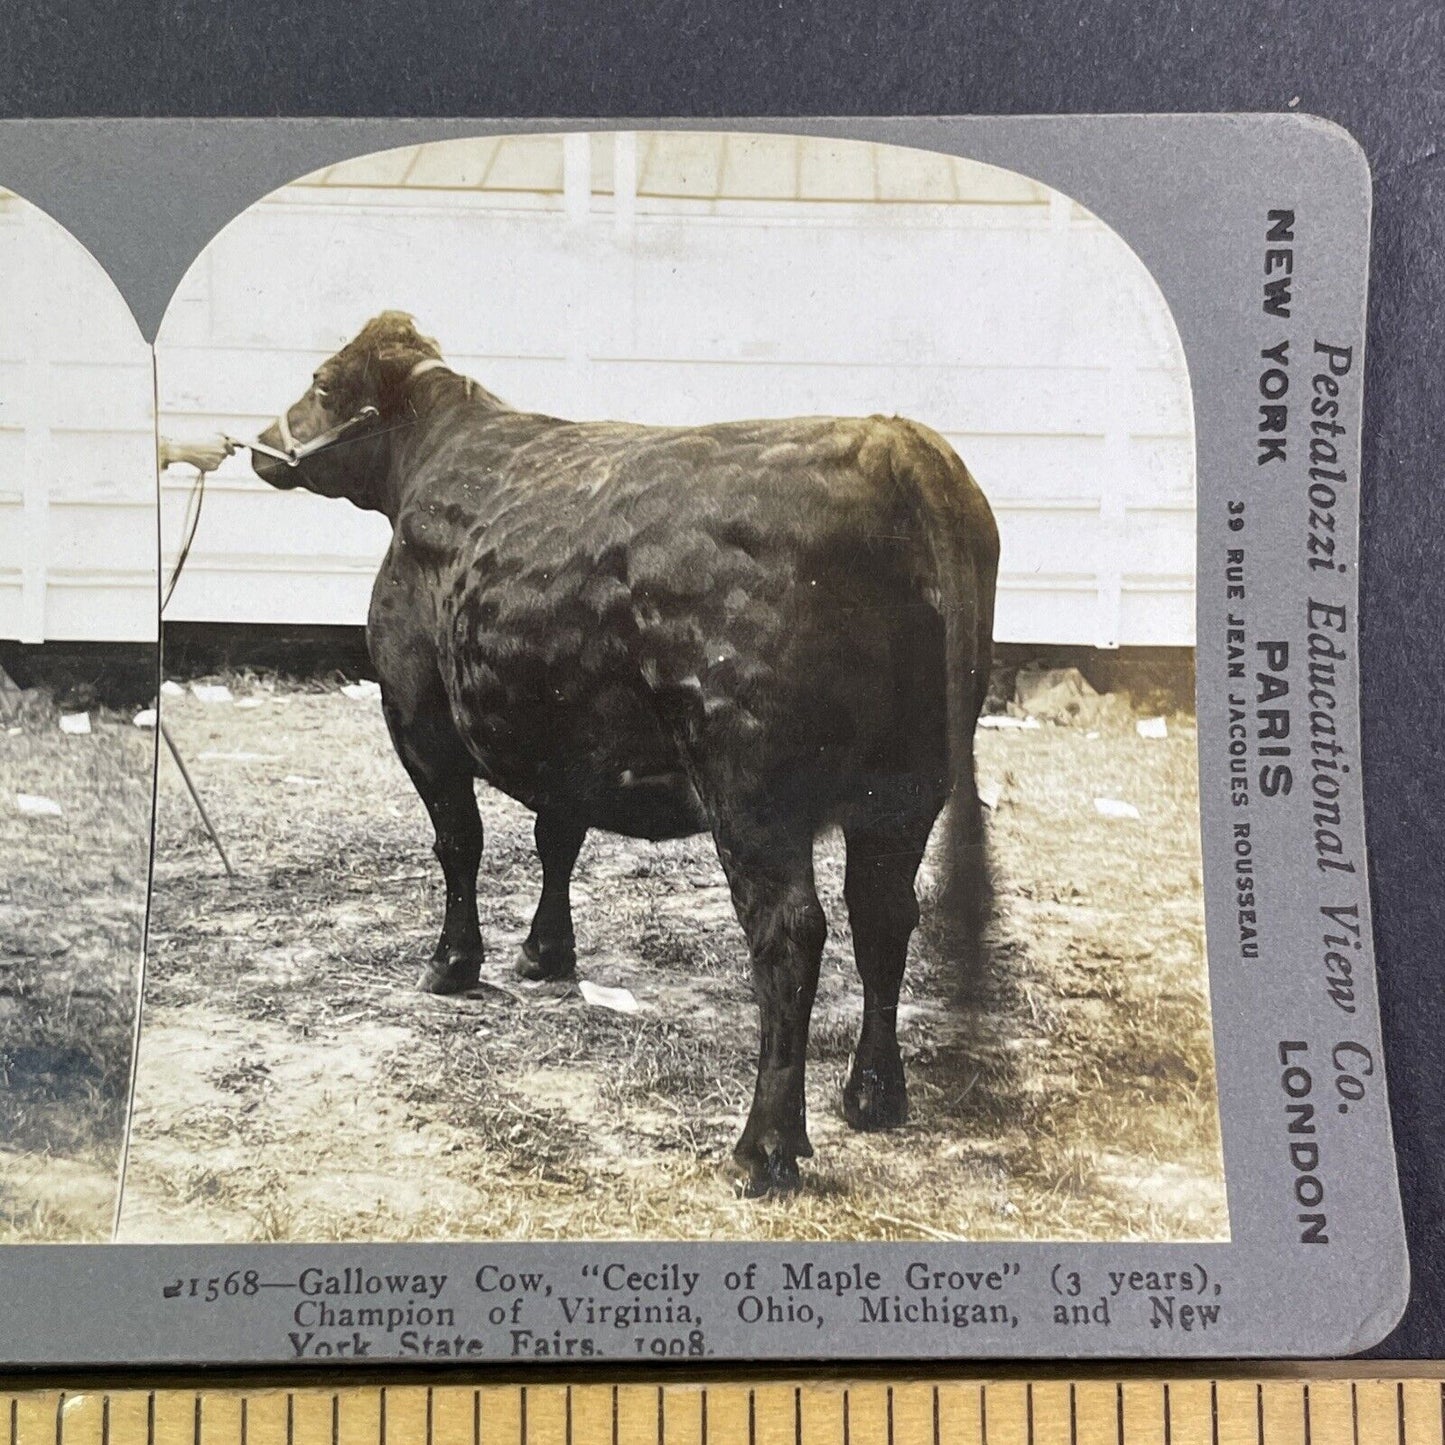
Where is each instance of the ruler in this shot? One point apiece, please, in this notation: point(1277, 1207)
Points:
point(1091, 1409)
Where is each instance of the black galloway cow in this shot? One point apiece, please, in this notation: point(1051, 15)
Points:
point(756, 629)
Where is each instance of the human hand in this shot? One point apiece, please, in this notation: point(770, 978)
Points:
point(205, 455)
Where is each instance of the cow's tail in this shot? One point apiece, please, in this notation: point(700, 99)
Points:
point(963, 541)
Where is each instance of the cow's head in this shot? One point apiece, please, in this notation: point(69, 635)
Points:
point(339, 429)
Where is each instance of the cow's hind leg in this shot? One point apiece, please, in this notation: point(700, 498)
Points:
point(770, 873)
point(441, 768)
point(550, 948)
point(883, 859)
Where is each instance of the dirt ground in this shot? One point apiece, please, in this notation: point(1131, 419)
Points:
point(292, 1084)
point(72, 911)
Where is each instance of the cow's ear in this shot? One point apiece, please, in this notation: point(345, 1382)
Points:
point(395, 359)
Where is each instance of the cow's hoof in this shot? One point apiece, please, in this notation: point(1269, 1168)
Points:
point(453, 972)
point(767, 1162)
point(874, 1099)
point(753, 1176)
point(539, 965)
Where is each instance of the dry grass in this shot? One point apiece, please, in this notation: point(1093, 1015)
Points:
point(72, 906)
point(293, 1085)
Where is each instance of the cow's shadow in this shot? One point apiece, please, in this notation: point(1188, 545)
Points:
point(967, 1067)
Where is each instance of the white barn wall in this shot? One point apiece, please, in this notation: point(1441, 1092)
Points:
point(1007, 318)
point(77, 444)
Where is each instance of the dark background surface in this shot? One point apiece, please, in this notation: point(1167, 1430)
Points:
point(1376, 68)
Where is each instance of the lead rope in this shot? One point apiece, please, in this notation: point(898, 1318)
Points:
point(194, 504)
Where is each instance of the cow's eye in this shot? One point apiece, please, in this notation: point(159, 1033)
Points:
point(320, 392)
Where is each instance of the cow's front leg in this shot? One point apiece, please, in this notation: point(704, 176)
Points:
point(456, 963)
point(441, 769)
point(550, 948)
point(773, 893)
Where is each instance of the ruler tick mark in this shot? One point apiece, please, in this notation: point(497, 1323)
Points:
point(1168, 1416)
